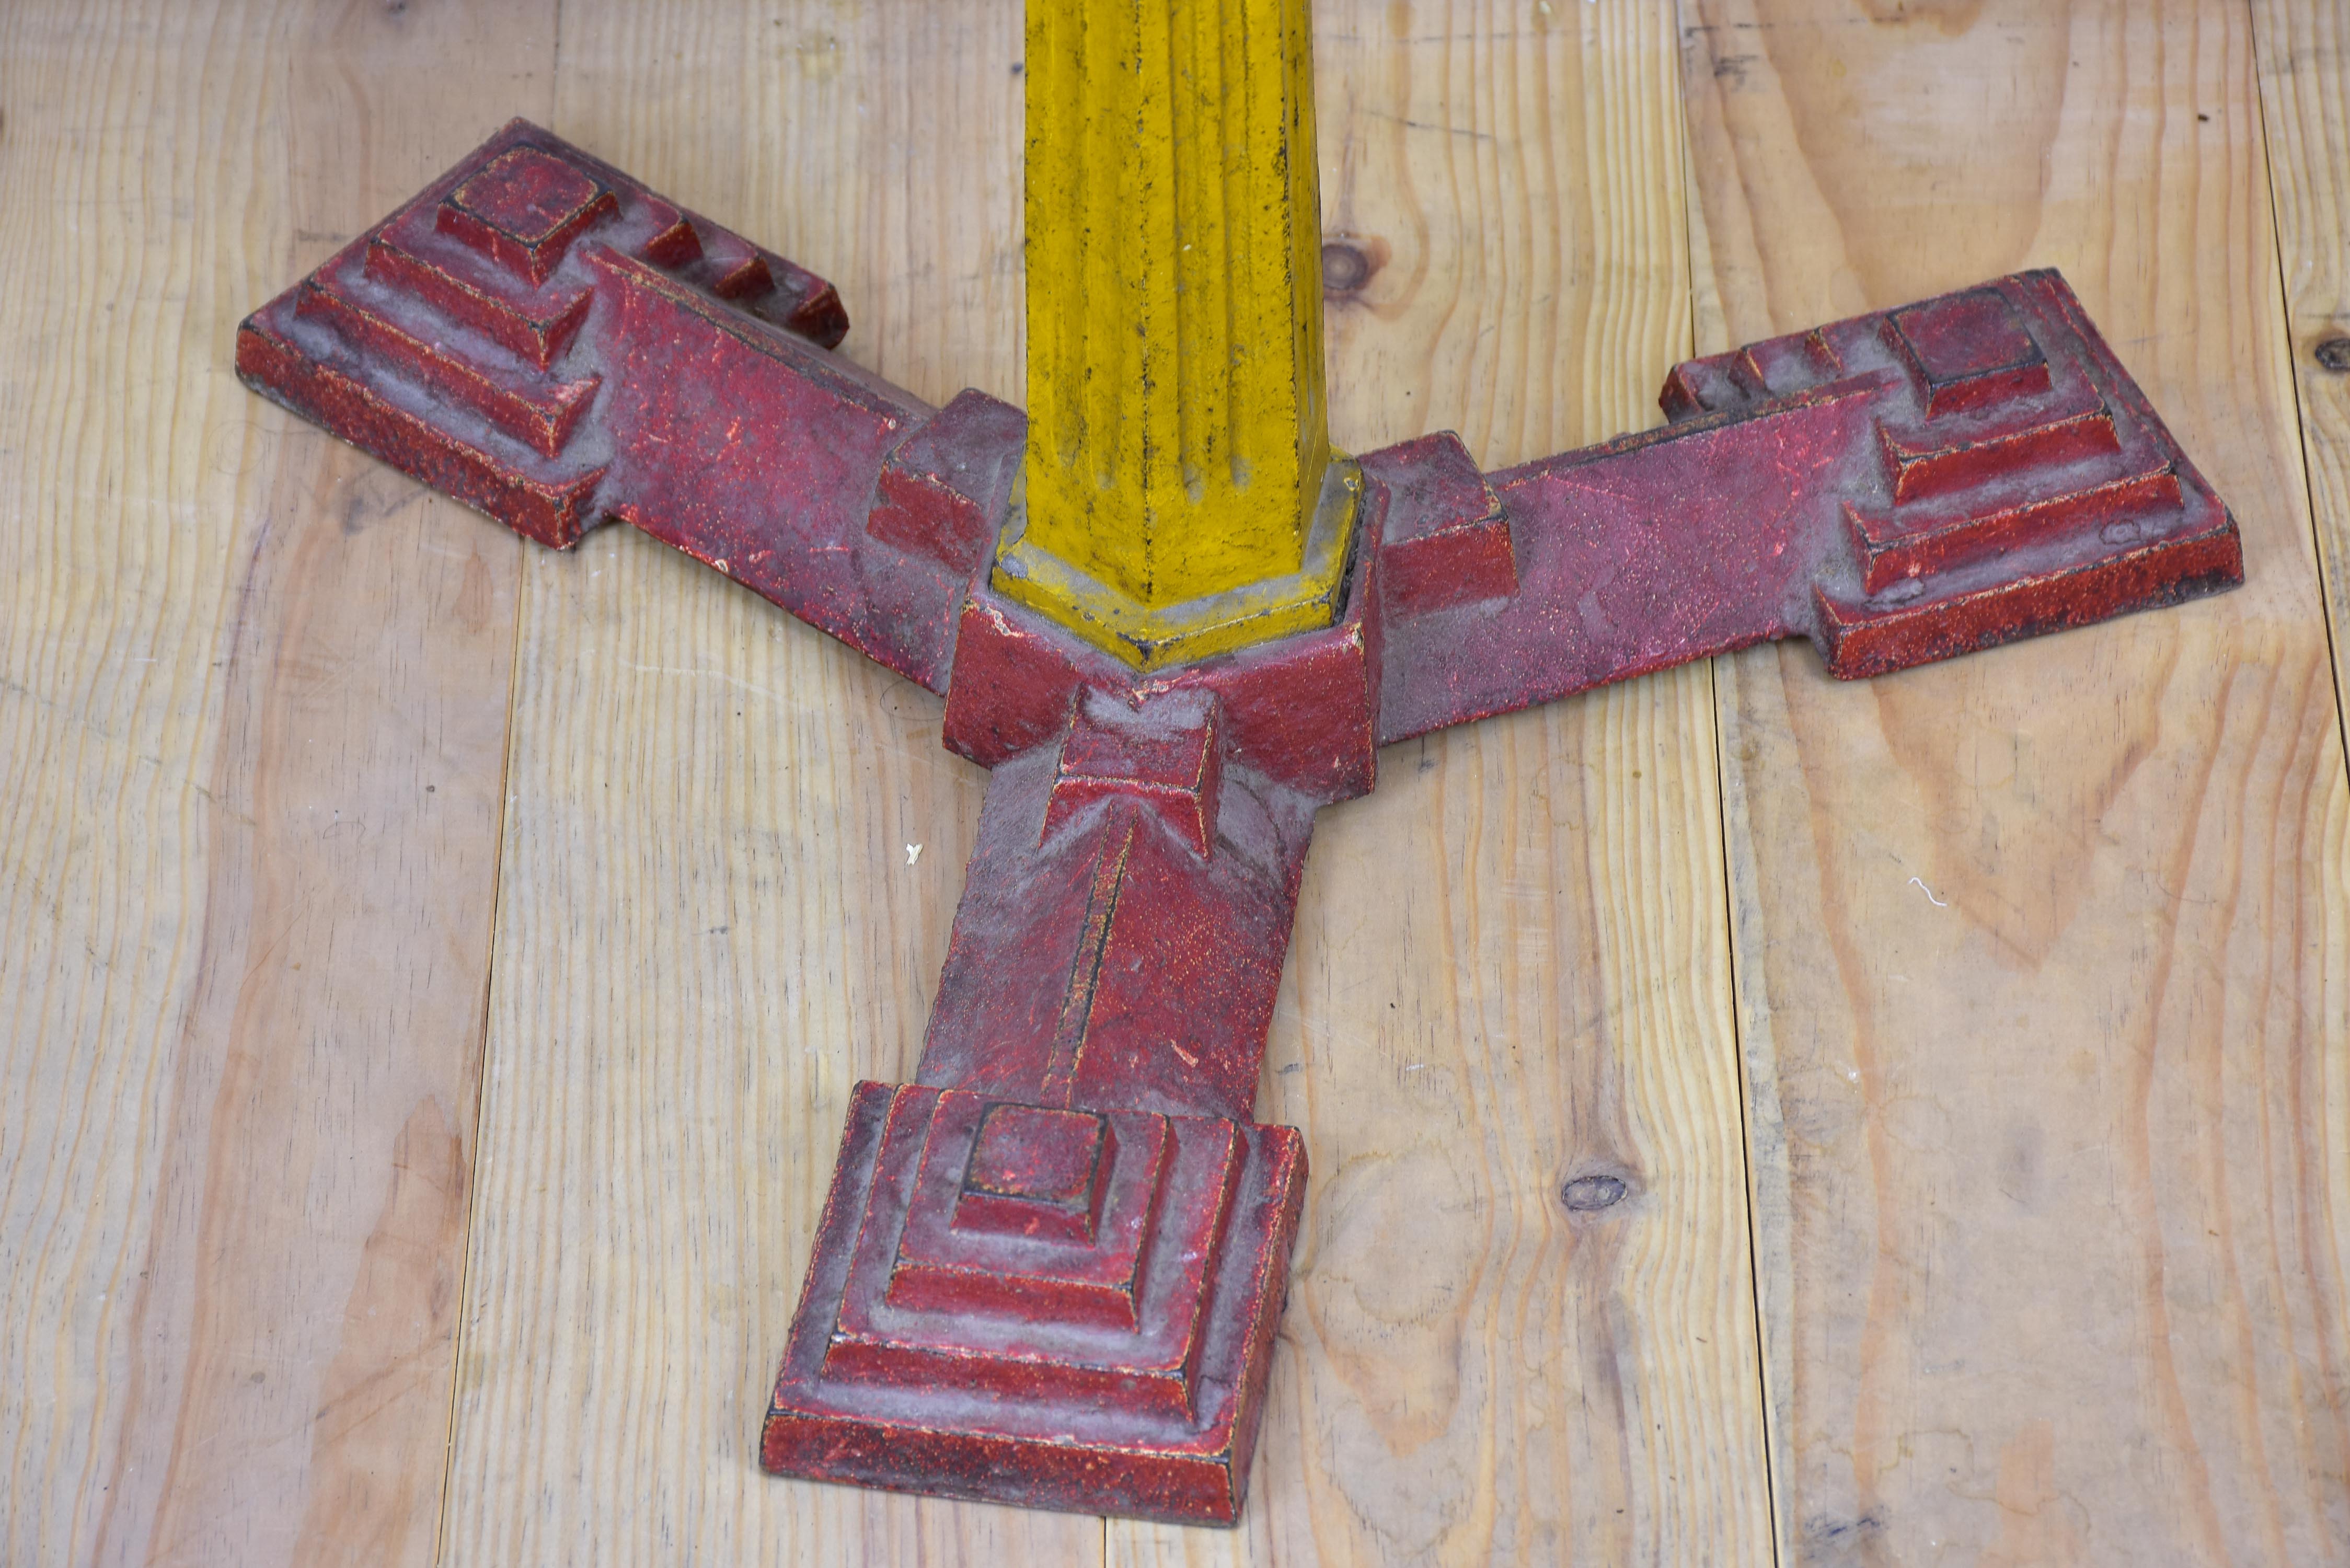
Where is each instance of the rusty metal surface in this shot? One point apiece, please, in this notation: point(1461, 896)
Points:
point(1049, 1271)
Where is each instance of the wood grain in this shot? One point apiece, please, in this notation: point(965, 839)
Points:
point(2049, 1180)
point(2303, 54)
point(252, 710)
point(716, 918)
point(2303, 59)
point(1511, 969)
point(2037, 950)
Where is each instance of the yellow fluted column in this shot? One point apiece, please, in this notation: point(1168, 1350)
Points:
point(1179, 496)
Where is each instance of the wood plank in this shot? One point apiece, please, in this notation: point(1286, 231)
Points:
point(716, 919)
point(2303, 60)
point(2303, 51)
point(253, 710)
point(2039, 952)
point(1511, 967)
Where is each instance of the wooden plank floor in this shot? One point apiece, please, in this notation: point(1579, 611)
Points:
point(432, 975)
point(2051, 1171)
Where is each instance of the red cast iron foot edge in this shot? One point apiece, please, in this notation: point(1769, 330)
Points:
point(1050, 1269)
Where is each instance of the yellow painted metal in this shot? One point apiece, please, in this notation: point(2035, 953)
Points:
point(1179, 496)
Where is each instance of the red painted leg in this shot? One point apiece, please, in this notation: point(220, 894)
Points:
point(1900, 488)
point(543, 337)
point(1050, 1273)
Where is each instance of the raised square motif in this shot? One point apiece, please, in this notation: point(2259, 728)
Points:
point(1090, 1268)
point(1008, 1311)
point(1037, 1172)
point(1166, 756)
point(1971, 349)
point(524, 211)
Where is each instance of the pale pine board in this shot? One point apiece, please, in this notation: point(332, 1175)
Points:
point(1511, 966)
point(2051, 1182)
point(252, 708)
point(2303, 59)
point(710, 927)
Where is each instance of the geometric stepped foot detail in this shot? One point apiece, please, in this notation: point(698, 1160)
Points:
point(1106, 1352)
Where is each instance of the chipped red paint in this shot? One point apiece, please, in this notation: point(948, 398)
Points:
point(1050, 1271)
